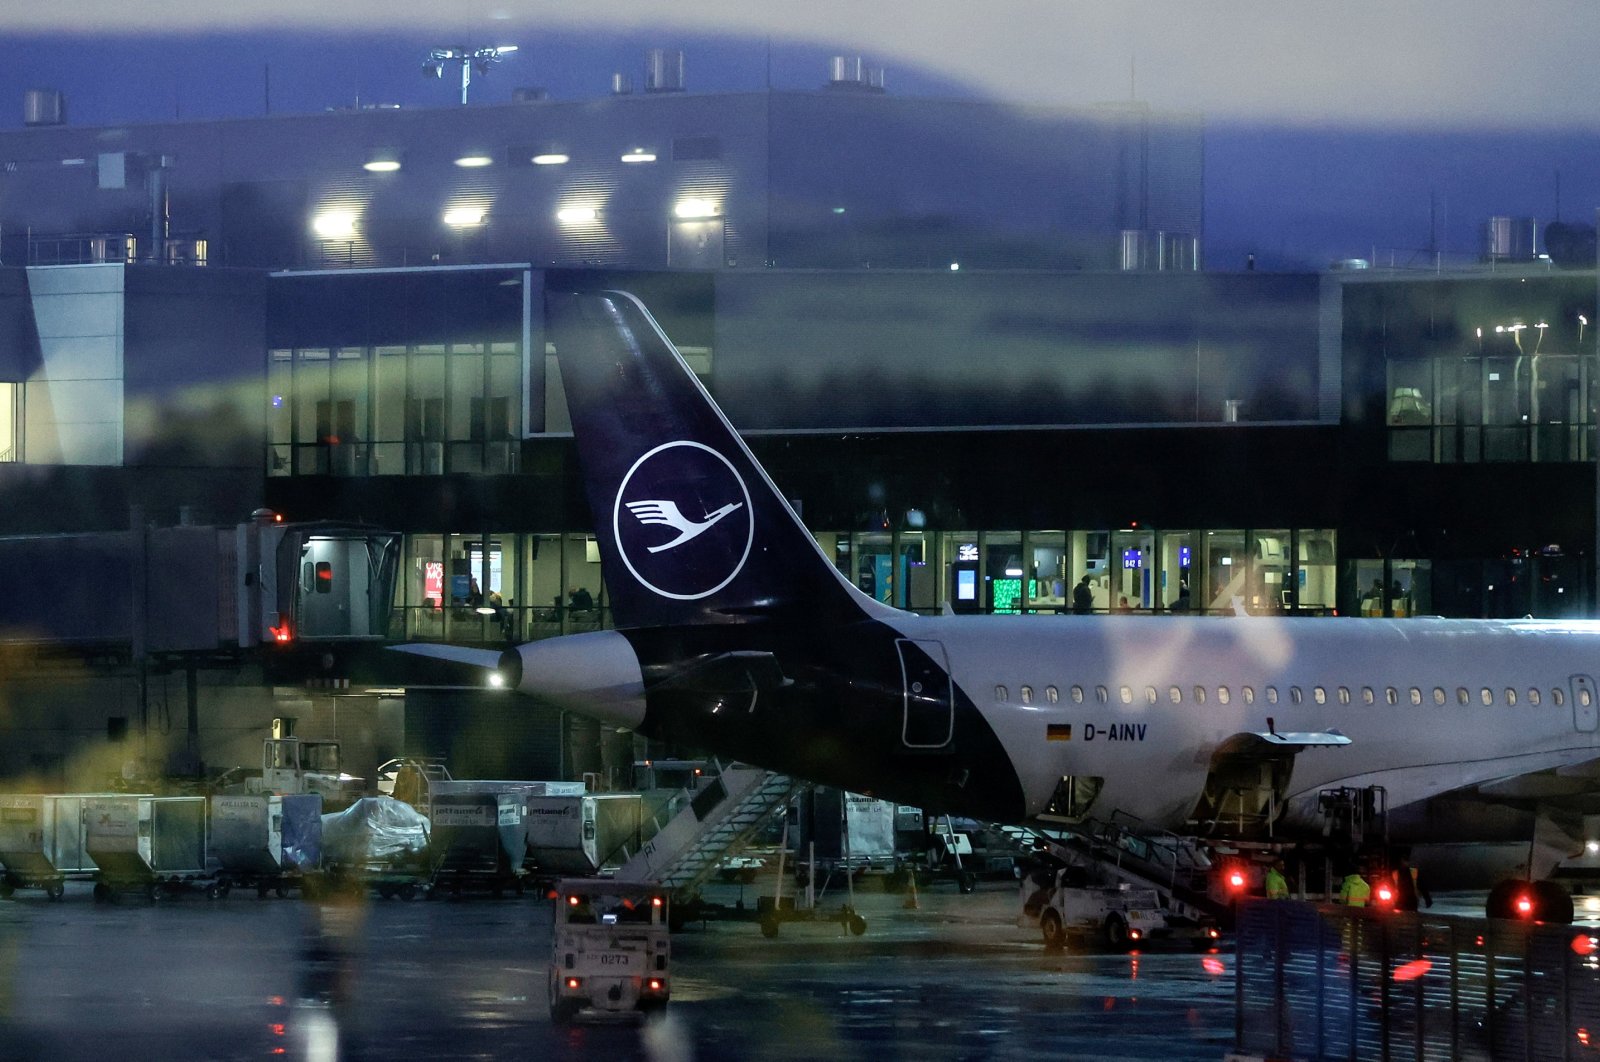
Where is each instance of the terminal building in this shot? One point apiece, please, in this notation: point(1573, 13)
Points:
point(199, 320)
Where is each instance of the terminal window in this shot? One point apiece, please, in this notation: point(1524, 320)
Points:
point(10, 435)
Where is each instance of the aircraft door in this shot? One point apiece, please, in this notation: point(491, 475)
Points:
point(1585, 713)
point(926, 688)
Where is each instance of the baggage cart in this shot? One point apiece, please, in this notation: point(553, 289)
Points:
point(267, 842)
point(148, 845)
point(479, 835)
point(42, 842)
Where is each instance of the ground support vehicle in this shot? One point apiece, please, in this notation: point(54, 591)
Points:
point(270, 842)
point(42, 842)
point(1067, 906)
point(149, 845)
point(611, 948)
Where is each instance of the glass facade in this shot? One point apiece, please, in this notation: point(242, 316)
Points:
point(413, 409)
point(1472, 409)
point(10, 422)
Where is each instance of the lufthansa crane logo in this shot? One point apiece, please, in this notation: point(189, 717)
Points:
point(682, 521)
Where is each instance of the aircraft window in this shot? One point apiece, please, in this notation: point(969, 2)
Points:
point(1222, 695)
point(1558, 697)
point(1367, 696)
point(1533, 697)
point(1272, 695)
point(1438, 695)
point(1150, 695)
point(1487, 696)
point(1295, 696)
point(1391, 695)
point(1101, 694)
point(1511, 696)
point(1175, 694)
point(1077, 695)
point(1344, 695)
point(1000, 694)
point(1583, 697)
point(1319, 694)
point(1125, 693)
point(1462, 696)
point(1249, 694)
point(1052, 694)
point(1027, 695)
point(1416, 695)
point(1199, 695)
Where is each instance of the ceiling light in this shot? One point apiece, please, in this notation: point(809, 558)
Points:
point(575, 215)
point(472, 162)
point(381, 165)
point(554, 158)
point(639, 155)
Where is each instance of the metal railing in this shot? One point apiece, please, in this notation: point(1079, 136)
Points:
point(508, 623)
point(1359, 983)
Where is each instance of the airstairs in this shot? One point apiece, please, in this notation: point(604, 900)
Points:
point(1178, 868)
point(717, 820)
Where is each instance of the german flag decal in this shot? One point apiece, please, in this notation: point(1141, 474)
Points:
point(1058, 731)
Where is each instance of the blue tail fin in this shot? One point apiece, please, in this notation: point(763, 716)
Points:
point(691, 530)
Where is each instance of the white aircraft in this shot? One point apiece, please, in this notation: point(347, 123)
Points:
point(738, 636)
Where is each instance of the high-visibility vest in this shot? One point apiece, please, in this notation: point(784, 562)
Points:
point(1354, 891)
point(1277, 887)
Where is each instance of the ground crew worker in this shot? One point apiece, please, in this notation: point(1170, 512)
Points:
point(1354, 890)
point(1277, 884)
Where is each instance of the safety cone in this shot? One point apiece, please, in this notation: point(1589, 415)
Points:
point(911, 901)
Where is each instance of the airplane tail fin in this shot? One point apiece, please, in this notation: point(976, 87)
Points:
point(690, 528)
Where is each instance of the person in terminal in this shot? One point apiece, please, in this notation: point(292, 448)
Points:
point(1277, 885)
point(1083, 597)
point(1181, 604)
point(579, 599)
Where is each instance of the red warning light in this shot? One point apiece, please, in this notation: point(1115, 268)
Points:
point(1412, 970)
point(1583, 1037)
point(1524, 906)
point(1213, 966)
point(574, 982)
point(1583, 944)
point(1385, 894)
point(1236, 880)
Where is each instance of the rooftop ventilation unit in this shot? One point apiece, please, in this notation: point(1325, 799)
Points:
point(44, 107)
point(663, 70)
point(849, 73)
point(621, 85)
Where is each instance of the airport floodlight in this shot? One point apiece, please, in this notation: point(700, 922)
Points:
point(639, 155)
point(695, 208)
point(552, 158)
point(468, 59)
point(576, 215)
point(334, 225)
point(381, 165)
point(473, 162)
point(464, 217)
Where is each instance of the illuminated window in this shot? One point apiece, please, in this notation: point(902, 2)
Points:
point(1222, 695)
point(1391, 695)
point(1027, 695)
point(1249, 694)
point(1052, 694)
point(1533, 697)
point(1125, 693)
point(1319, 695)
point(1199, 695)
point(10, 409)
point(1077, 695)
point(1295, 696)
point(1344, 695)
point(1463, 696)
point(1367, 696)
point(1001, 694)
point(1438, 695)
point(1416, 695)
point(1558, 696)
point(1175, 695)
point(1511, 697)
point(1487, 696)
point(1272, 695)
point(1150, 695)
point(1101, 694)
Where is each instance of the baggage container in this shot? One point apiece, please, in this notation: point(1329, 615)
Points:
point(146, 842)
point(480, 836)
point(269, 840)
point(42, 841)
point(578, 835)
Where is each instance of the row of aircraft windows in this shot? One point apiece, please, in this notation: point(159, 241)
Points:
point(1296, 695)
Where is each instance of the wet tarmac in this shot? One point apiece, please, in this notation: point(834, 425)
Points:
point(248, 978)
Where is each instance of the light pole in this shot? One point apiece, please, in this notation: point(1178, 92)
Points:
point(468, 59)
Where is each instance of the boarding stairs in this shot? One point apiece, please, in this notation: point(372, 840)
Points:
point(717, 820)
point(1114, 853)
